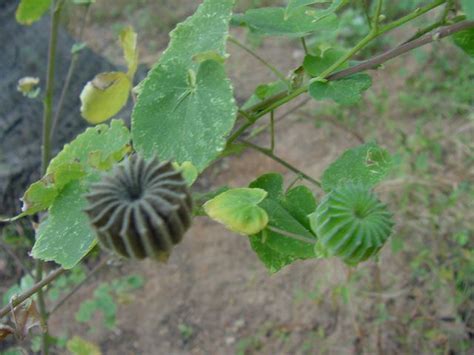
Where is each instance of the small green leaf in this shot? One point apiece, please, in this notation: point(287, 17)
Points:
point(468, 8)
point(315, 65)
point(185, 107)
point(367, 164)
point(79, 346)
point(188, 170)
point(237, 209)
point(77, 47)
point(346, 91)
point(30, 11)
point(105, 96)
point(288, 213)
point(273, 21)
point(465, 40)
point(128, 41)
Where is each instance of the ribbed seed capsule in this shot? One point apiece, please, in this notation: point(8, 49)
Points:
point(141, 209)
point(350, 222)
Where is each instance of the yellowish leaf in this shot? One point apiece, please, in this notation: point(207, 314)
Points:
point(105, 96)
point(128, 41)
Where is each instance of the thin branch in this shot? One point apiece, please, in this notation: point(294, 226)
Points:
point(94, 271)
point(272, 131)
point(70, 72)
point(16, 258)
point(279, 160)
point(336, 123)
point(30, 292)
point(402, 49)
point(274, 70)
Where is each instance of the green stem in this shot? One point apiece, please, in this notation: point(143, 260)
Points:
point(294, 236)
point(279, 160)
point(46, 152)
point(48, 99)
point(305, 47)
point(376, 17)
point(272, 131)
point(274, 70)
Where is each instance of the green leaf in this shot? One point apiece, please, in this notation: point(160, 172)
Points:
point(465, 40)
point(288, 213)
point(272, 21)
point(95, 148)
point(315, 65)
point(30, 11)
point(79, 346)
point(468, 8)
point(237, 209)
point(295, 4)
point(273, 260)
point(104, 96)
point(188, 170)
point(65, 236)
point(346, 91)
point(367, 164)
point(186, 108)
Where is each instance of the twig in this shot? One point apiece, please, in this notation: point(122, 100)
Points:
point(336, 123)
point(70, 72)
point(16, 258)
point(274, 70)
point(279, 160)
point(30, 292)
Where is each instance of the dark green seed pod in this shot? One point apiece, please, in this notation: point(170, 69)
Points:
point(141, 209)
point(350, 222)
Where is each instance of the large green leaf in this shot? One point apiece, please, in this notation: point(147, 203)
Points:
point(468, 8)
point(30, 11)
point(367, 164)
point(186, 107)
point(65, 236)
point(346, 91)
point(273, 21)
point(465, 41)
point(238, 210)
point(287, 213)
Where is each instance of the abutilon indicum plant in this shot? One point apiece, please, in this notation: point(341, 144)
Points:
point(130, 188)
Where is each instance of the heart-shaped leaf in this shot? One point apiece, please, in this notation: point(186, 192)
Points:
point(346, 91)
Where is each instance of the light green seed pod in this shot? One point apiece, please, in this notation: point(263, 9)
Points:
point(141, 209)
point(350, 222)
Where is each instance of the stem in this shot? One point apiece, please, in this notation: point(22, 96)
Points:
point(418, 12)
point(376, 17)
point(48, 100)
point(287, 165)
point(274, 70)
point(30, 292)
point(46, 153)
point(63, 300)
point(70, 72)
point(272, 131)
point(305, 47)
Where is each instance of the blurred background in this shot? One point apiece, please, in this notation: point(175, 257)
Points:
point(214, 296)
